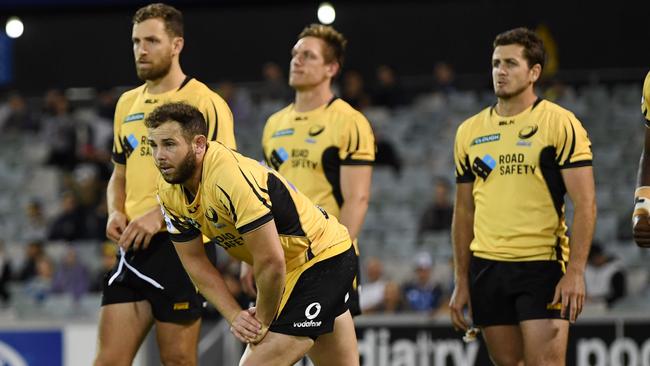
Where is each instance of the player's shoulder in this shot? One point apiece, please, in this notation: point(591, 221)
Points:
point(130, 95)
point(281, 114)
point(200, 90)
point(553, 111)
point(468, 123)
point(345, 110)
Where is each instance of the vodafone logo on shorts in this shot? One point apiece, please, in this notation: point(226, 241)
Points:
point(312, 310)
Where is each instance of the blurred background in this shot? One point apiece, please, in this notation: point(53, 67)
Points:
point(416, 69)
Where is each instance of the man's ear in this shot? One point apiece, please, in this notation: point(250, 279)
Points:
point(535, 72)
point(333, 69)
point(200, 143)
point(177, 45)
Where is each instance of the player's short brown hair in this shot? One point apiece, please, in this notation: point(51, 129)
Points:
point(335, 42)
point(191, 120)
point(534, 51)
point(171, 16)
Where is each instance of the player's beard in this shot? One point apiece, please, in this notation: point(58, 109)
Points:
point(508, 95)
point(156, 71)
point(184, 171)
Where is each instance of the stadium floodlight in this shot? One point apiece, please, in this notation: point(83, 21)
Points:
point(326, 13)
point(14, 27)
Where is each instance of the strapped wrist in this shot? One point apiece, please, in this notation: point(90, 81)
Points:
point(642, 201)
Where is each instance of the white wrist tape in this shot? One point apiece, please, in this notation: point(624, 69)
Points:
point(642, 201)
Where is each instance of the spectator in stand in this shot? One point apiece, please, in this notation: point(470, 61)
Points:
point(33, 225)
point(274, 86)
point(71, 276)
point(5, 276)
point(437, 216)
point(604, 276)
point(68, 225)
point(59, 128)
point(353, 90)
point(17, 117)
point(422, 294)
point(387, 91)
point(39, 287)
point(393, 299)
point(371, 293)
point(444, 78)
point(33, 252)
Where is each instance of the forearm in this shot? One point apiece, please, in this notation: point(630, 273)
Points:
point(353, 213)
point(210, 284)
point(116, 193)
point(643, 175)
point(462, 233)
point(269, 279)
point(584, 219)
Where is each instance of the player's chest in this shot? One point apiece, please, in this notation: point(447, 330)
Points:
point(302, 145)
point(216, 222)
point(507, 148)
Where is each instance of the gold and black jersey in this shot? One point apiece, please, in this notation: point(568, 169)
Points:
point(515, 166)
point(309, 148)
point(130, 145)
point(238, 195)
point(645, 100)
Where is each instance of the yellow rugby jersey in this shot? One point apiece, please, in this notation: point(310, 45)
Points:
point(514, 163)
point(238, 195)
point(309, 148)
point(130, 145)
point(645, 100)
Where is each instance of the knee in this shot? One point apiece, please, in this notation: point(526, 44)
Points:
point(178, 359)
point(507, 360)
point(106, 359)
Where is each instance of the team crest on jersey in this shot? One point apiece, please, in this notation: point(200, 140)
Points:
point(211, 215)
point(485, 139)
point(528, 132)
point(134, 117)
point(316, 130)
point(285, 132)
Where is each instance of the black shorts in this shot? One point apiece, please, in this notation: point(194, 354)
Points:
point(353, 300)
point(318, 297)
point(178, 302)
point(506, 293)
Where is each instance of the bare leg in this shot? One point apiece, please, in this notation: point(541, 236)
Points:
point(178, 342)
point(339, 347)
point(122, 328)
point(505, 344)
point(276, 350)
point(545, 341)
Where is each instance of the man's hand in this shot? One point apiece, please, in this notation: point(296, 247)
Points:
point(641, 230)
point(570, 291)
point(459, 300)
point(247, 328)
point(247, 279)
point(140, 231)
point(115, 225)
